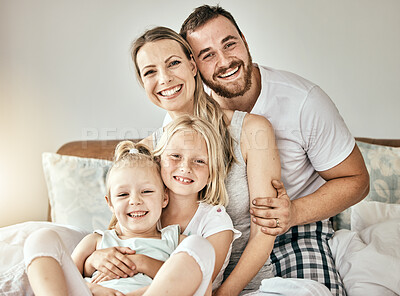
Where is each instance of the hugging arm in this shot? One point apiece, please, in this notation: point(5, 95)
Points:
point(347, 183)
point(116, 262)
point(221, 242)
point(263, 165)
point(329, 142)
point(112, 262)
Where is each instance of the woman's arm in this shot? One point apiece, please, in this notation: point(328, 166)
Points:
point(263, 165)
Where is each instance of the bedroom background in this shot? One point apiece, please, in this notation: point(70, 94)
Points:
point(66, 73)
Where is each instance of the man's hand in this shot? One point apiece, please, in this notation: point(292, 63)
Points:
point(112, 262)
point(275, 215)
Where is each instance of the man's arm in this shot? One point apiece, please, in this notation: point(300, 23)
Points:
point(347, 184)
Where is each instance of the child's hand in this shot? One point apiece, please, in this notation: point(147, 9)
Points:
point(112, 262)
point(139, 262)
point(145, 264)
point(100, 277)
point(98, 290)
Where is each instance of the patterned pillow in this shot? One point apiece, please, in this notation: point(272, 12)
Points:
point(76, 188)
point(383, 165)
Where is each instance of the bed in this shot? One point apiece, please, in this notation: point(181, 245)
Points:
point(366, 244)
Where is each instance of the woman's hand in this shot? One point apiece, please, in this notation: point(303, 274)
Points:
point(98, 290)
point(112, 262)
point(275, 215)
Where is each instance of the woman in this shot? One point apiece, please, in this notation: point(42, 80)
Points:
point(165, 67)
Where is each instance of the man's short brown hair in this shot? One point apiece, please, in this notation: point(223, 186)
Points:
point(202, 15)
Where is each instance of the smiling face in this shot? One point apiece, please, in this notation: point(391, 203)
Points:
point(167, 75)
point(222, 57)
point(137, 197)
point(184, 164)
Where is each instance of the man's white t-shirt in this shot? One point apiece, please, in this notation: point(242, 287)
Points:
point(310, 133)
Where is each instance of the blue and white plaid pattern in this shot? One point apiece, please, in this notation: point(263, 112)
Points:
point(303, 252)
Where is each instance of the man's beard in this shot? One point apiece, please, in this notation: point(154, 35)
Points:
point(219, 87)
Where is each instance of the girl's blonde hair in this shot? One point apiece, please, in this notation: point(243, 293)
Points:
point(204, 106)
point(129, 154)
point(215, 191)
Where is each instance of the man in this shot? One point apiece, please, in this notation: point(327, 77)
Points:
point(322, 168)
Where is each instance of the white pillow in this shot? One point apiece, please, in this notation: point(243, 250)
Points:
point(367, 213)
point(383, 165)
point(76, 188)
point(368, 257)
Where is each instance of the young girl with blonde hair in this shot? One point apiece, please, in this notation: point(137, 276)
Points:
point(190, 150)
point(136, 195)
point(193, 170)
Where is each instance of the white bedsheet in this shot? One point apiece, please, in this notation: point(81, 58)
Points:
point(13, 280)
point(368, 256)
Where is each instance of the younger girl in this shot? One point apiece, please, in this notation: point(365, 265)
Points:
point(136, 196)
point(193, 170)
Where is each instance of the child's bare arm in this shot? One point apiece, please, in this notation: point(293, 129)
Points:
point(83, 250)
point(142, 263)
point(112, 261)
point(145, 264)
point(221, 242)
point(148, 265)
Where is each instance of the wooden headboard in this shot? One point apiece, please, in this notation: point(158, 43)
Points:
point(101, 149)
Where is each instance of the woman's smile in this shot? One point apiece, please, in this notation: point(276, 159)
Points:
point(168, 75)
point(171, 92)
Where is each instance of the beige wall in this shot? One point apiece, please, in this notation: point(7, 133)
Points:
point(65, 72)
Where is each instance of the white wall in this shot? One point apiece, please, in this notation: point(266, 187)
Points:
point(65, 70)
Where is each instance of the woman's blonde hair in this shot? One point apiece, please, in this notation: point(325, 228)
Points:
point(215, 191)
point(129, 154)
point(204, 106)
